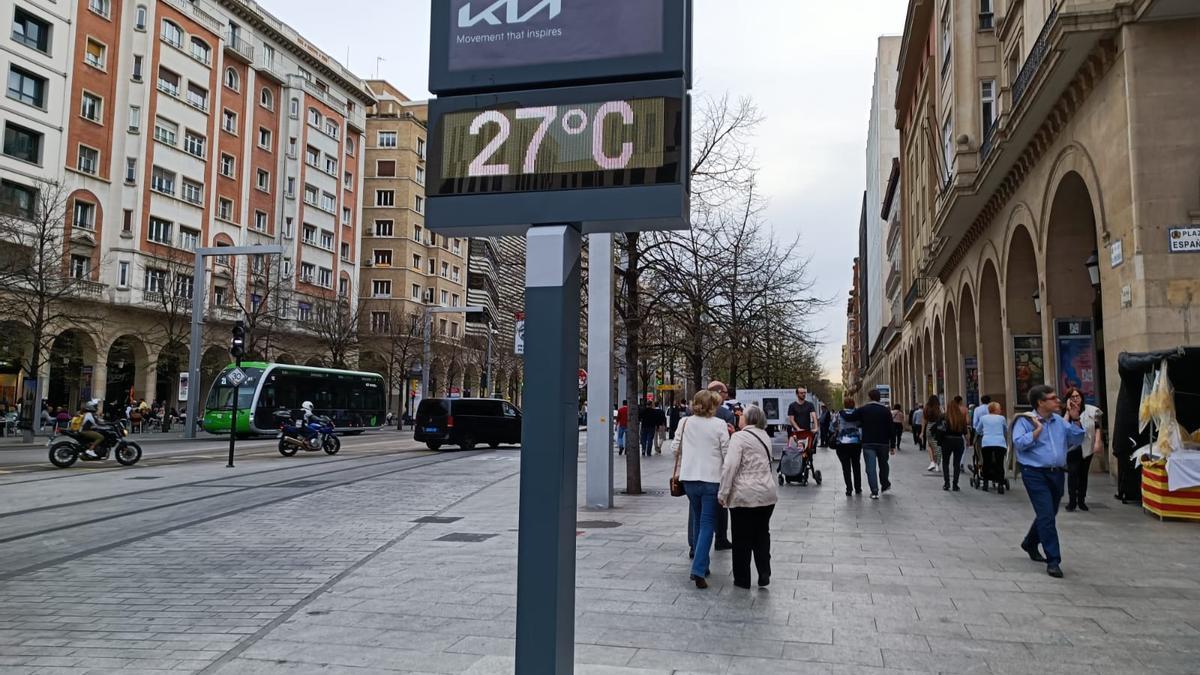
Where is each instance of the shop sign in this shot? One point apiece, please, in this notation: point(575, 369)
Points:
point(1184, 239)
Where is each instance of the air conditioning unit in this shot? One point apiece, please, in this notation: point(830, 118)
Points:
point(368, 263)
point(306, 278)
point(428, 296)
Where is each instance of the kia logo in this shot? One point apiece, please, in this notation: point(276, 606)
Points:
point(513, 14)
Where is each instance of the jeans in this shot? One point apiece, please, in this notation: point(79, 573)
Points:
point(877, 454)
point(993, 464)
point(751, 535)
point(897, 435)
point(621, 438)
point(952, 453)
point(1078, 467)
point(702, 500)
point(1045, 489)
point(916, 432)
point(851, 458)
point(647, 440)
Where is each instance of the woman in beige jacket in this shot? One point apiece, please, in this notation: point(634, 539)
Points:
point(748, 491)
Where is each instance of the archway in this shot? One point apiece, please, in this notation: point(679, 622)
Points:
point(1071, 303)
point(927, 382)
point(939, 360)
point(286, 359)
point(991, 337)
point(1021, 316)
point(954, 364)
point(15, 341)
point(212, 362)
point(967, 347)
point(454, 378)
point(127, 360)
point(72, 377)
point(172, 360)
point(315, 362)
point(471, 383)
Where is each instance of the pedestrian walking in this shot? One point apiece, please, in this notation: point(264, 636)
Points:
point(801, 415)
point(931, 415)
point(673, 418)
point(660, 428)
point(897, 426)
point(699, 456)
point(748, 491)
point(847, 439)
point(1041, 439)
point(952, 437)
point(826, 427)
point(622, 426)
point(1079, 458)
point(875, 424)
point(977, 413)
point(916, 422)
point(724, 413)
point(646, 432)
point(990, 429)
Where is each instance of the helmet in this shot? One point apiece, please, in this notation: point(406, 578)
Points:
point(307, 405)
point(91, 406)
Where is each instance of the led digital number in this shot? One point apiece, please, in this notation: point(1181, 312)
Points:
point(574, 122)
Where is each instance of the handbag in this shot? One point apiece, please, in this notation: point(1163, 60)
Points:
point(677, 485)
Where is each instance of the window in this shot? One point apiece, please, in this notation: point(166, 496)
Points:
point(383, 228)
point(328, 202)
point(185, 286)
point(139, 18)
point(225, 209)
point(304, 310)
point(137, 68)
point(160, 230)
point(89, 159)
point(227, 165)
point(458, 245)
point(26, 87)
point(165, 131)
point(95, 54)
point(383, 256)
point(84, 216)
point(456, 275)
point(291, 187)
point(419, 204)
point(294, 108)
point(385, 168)
point(344, 287)
point(946, 38)
point(948, 147)
point(229, 121)
point(417, 230)
point(31, 31)
point(260, 221)
point(345, 251)
point(310, 234)
point(331, 128)
point(268, 53)
point(416, 261)
point(188, 239)
point(135, 119)
point(421, 148)
point(156, 280)
point(348, 181)
point(442, 323)
point(445, 298)
point(101, 7)
point(385, 198)
point(291, 150)
point(445, 270)
point(327, 240)
point(232, 80)
point(168, 82)
point(266, 99)
point(131, 170)
point(193, 144)
point(18, 200)
point(21, 143)
point(454, 300)
point(986, 18)
point(325, 278)
point(345, 215)
point(263, 181)
point(162, 181)
point(381, 322)
point(193, 192)
point(201, 51)
point(127, 221)
point(123, 275)
point(416, 292)
point(331, 164)
point(197, 96)
point(171, 34)
point(420, 175)
point(387, 139)
point(432, 269)
point(312, 156)
point(90, 107)
point(987, 102)
point(350, 146)
point(454, 329)
point(314, 117)
point(311, 195)
point(381, 288)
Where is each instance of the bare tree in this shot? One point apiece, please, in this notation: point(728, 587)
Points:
point(171, 302)
point(41, 287)
point(399, 344)
point(335, 323)
point(265, 302)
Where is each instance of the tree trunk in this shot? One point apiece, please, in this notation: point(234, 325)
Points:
point(633, 327)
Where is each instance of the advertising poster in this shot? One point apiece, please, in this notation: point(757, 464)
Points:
point(1076, 357)
point(971, 369)
point(85, 383)
point(183, 387)
point(1029, 366)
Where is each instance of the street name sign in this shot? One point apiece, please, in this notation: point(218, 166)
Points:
point(1184, 239)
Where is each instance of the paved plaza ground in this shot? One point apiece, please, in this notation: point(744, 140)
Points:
point(327, 567)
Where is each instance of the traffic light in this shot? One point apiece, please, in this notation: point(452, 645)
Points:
point(659, 374)
point(237, 347)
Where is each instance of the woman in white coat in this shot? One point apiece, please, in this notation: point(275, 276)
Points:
point(1079, 459)
point(748, 491)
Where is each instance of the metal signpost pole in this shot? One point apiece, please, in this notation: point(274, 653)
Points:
point(549, 455)
point(233, 420)
point(600, 369)
point(487, 393)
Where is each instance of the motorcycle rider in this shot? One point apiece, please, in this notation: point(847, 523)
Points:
point(306, 418)
point(88, 428)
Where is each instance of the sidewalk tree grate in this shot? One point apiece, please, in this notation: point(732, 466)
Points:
point(597, 524)
point(466, 537)
point(437, 520)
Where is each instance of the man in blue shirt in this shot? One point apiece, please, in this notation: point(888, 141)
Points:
point(1041, 440)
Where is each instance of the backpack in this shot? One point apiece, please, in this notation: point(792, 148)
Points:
point(76, 423)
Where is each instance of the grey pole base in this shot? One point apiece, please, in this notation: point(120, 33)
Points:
point(599, 478)
point(549, 455)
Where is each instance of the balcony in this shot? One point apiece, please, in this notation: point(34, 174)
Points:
point(265, 65)
point(202, 17)
point(86, 288)
point(239, 47)
point(328, 97)
point(915, 299)
point(892, 284)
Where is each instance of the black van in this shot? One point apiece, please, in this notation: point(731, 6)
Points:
point(466, 422)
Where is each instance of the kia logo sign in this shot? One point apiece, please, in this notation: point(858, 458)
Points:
point(512, 16)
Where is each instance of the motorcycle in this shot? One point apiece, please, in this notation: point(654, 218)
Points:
point(316, 436)
point(69, 446)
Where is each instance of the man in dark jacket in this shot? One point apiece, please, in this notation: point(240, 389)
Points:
point(875, 420)
point(674, 417)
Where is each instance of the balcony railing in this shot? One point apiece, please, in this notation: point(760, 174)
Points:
point(1036, 56)
point(239, 46)
point(206, 19)
point(917, 293)
point(325, 95)
point(93, 289)
point(989, 140)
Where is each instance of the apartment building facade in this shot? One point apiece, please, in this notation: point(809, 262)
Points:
point(1047, 164)
point(187, 124)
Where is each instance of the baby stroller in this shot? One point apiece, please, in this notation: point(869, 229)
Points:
point(796, 465)
point(979, 478)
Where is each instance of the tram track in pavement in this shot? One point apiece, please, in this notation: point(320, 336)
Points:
point(408, 464)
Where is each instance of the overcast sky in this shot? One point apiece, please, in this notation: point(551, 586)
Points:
point(807, 64)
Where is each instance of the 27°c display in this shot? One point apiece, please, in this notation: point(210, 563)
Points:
point(600, 144)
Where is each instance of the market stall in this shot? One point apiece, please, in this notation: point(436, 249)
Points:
point(1156, 432)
